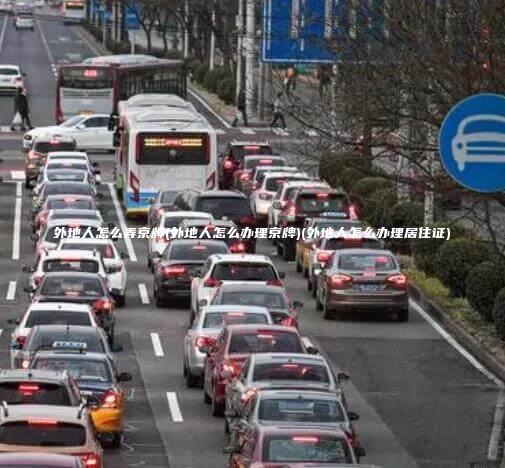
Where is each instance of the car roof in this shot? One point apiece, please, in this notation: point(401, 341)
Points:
point(251, 286)
point(304, 429)
point(56, 328)
point(261, 328)
point(260, 358)
point(86, 222)
point(71, 274)
point(68, 414)
point(39, 375)
point(235, 308)
point(69, 154)
point(77, 254)
point(66, 306)
point(62, 196)
point(245, 258)
point(68, 160)
point(296, 394)
point(222, 193)
point(204, 222)
point(83, 356)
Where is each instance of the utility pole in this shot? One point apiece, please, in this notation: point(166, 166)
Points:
point(186, 30)
point(212, 42)
point(104, 25)
point(249, 53)
point(240, 32)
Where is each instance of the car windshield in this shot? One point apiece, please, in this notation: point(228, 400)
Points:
point(44, 339)
point(79, 369)
point(36, 432)
point(168, 197)
point(73, 121)
point(244, 271)
point(265, 342)
point(270, 300)
point(45, 147)
point(198, 251)
point(70, 203)
point(79, 166)
point(56, 175)
point(222, 319)
point(9, 71)
point(55, 233)
point(69, 264)
point(57, 317)
point(106, 250)
point(34, 393)
point(291, 371)
point(322, 203)
point(224, 206)
point(72, 287)
point(68, 189)
point(303, 410)
point(365, 262)
point(305, 449)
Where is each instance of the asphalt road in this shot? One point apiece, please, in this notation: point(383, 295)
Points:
point(421, 402)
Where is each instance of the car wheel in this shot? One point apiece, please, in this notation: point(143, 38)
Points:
point(226, 426)
point(192, 381)
point(216, 408)
point(328, 314)
point(403, 315)
point(319, 305)
point(117, 438)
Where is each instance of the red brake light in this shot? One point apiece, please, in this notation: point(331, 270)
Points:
point(290, 366)
point(202, 341)
point(262, 162)
point(54, 142)
point(90, 460)
point(247, 220)
point(102, 305)
point(289, 322)
point(322, 257)
point(69, 200)
point(28, 389)
point(42, 422)
point(235, 314)
point(199, 247)
point(338, 281)
point(305, 440)
point(90, 73)
point(274, 282)
point(228, 164)
point(229, 367)
point(238, 248)
point(110, 400)
point(72, 293)
point(381, 260)
point(322, 195)
point(212, 283)
point(171, 271)
point(369, 274)
point(399, 281)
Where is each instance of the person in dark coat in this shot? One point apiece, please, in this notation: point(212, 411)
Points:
point(241, 108)
point(21, 106)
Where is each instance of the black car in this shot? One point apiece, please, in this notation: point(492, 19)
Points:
point(81, 288)
point(181, 262)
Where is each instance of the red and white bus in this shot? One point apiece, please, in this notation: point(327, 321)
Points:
point(73, 11)
point(96, 85)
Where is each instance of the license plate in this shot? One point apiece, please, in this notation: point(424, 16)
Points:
point(369, 287)
point(85, 393)
point(333, 214)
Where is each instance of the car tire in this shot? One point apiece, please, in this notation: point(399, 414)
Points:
point(319, 305)
point(288, 252)
point(121, 300)
point(328, 314)
point(216, 408)
point(403, 315)
point(192, 381)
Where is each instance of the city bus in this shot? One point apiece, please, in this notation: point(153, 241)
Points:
point(73, 11)
point(96, 85)
point(161, 146)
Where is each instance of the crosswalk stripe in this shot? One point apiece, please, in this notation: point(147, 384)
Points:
point(220, 131)
point(18, 175)
point(247, 131)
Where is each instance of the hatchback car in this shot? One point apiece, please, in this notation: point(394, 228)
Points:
point(204, 329)
point(362, 279)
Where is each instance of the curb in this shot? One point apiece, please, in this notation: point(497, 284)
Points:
point(459, 333)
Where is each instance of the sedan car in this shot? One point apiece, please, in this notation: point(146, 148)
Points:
point(181, 262)
point(163, 201)
point(63, 188)
point(45, 217)
point(24, 22)
point(61, 202)
point(362, 279)
point(243, 174)
point(204, 329)
point(274, 298)
point(11, 78)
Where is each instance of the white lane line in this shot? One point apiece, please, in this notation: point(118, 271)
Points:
point(247, 131)
point(144, 297)
point(158, 350)
point(1, 332)
point(11, 291)
point(212, 111)
point(122, 223)
point(2, 34)
point(493, 452)
point(46, 45)
point(18, 175)
point(17, 222)
point(175, 409)
point(220, 131)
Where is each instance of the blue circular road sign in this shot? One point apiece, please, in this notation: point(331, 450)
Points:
point(472, 142)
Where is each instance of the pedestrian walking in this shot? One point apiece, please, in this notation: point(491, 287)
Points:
point(241, 109)
point(278, 116)
point(290, 80)
point(21, 110)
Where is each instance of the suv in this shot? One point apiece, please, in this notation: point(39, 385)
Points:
point(35, 158)
point(233, 156)
point(309, 203)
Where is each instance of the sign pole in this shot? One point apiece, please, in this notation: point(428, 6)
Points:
point(186, 30)
point(249, 54)
point(240, 32)
point(212, 42)
point(132, 42)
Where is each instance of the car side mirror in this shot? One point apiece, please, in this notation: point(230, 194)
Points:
point(282, 274)
point(117, 348)
point(342, 377)
point(124, 377)
point(28, 269)
point(124, 255)
point(202, 302)
point(312, 350)
point(297, 304)
point(352, 416)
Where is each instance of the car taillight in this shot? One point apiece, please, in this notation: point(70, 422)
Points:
point(247, 220)
point(340, 281)
point(173, 271)
point(37, 279)
point(203, 341)
point(245, 176)
point(212, 283)
point(110, 400)
point(228, 164)
point(28, 389)
point(238, 248)
point(398, 281)
point(353, 212)
point(104, 305)
point(90, 460)
point(34, 155)
point(289, 322)
point(274, 282)
point(248, 394)
point(322, 257)
point(229, 367)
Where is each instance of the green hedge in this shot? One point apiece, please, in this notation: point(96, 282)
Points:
point(378, 209)
point(226, 90)
point(499, 314)
point(367, 186)
point(455, 259)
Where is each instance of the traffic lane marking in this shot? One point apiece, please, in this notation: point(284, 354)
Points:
point(158, 349)
point(11, 291)
point(144, 296)
point(174, 407)
point(16, 235)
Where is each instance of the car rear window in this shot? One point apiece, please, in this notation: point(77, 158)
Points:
point(78, 166)
point(238, 152)
point(265, 342)
point(306, 449)
point(57, 317)
point(106, 250)
point(224, 206)
point(79, 369)
point(84, 266)
point(55, 175)
point(174, 221)
point(338, 243)
point(9, 72)
point(196, 251)
point(207, 232)
point(68, 189)
point(301, 410)
point(34, 393)
point(273, 183)
point(46, 147)
point(244, 272)
point(44, 339)
point(70, 203)
point(37, 432)
point(330, 204)
point(72, 287)
point(222, 319)
point(55, 233)
point(255, 298)
point(168, 197)
point(274, 162)
point(365, 262)
point(291, 371)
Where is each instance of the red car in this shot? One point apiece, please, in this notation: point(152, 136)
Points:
point(232, 347)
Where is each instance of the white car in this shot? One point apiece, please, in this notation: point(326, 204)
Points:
point(231, 268)
point(81, 155)
point(60, 175)
point(68, 213)
point(262, 196)
point(90, 132)
point(260, 171)
point(11, 78)
point(24, 22)
point(70, 163)
point(203, 331)
point(113, 260)
point(282, 195)
point(167, 221)
point(38, 4)
point(49, 313)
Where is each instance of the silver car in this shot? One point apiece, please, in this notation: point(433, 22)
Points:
point(24, 22)
point(206, 327)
